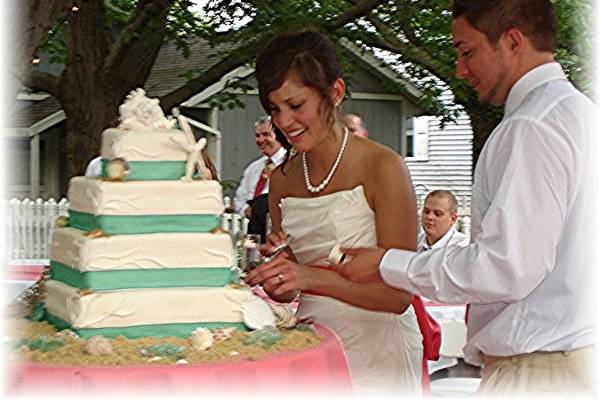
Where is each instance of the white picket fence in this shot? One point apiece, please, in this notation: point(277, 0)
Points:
point(29, 226)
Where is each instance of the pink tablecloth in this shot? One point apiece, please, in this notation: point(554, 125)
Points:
point(24, 272)
point(319, 370)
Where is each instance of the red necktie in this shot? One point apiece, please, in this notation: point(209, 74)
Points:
point(264, 177)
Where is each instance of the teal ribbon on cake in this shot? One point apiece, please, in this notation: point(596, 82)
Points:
point(131, 224)
point(151, 170)
point(133, 332)
point(141, 278)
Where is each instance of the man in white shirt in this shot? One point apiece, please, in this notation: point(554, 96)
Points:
point(94, 168)
point(438, 216)
point(250, 199)
point(529, 273)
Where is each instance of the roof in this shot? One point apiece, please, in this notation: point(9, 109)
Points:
point(170, 66)
point(28, 112)
point(169, 73)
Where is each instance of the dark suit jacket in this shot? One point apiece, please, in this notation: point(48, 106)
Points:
point(258, 222)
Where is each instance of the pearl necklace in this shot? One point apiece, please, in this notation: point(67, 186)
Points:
point(317, 189)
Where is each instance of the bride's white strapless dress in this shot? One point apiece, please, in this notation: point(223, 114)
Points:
point(384, 350)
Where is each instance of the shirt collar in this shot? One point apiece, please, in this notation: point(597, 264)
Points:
point(532, 79)
point(278, 156)
point(437, 245)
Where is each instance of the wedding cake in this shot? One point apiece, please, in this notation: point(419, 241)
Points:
point(142, 253)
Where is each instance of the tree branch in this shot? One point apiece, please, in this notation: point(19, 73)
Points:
point(236, 58)
point(33, 30)
point(139, 42)
point(240, 56)
point(29, 23)
point(360, 9)
point(43, 81)
point(391, 42)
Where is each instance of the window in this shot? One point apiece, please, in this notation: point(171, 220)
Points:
point(417, 138)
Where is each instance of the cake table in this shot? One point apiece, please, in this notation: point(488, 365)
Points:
point(318, 370)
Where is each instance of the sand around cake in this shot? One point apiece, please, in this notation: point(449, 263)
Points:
point(61, 349)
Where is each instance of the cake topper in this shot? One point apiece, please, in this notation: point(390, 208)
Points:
point(139, 112)
point(195, 160)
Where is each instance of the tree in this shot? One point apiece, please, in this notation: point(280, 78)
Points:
point(108, 48)
point(415, 35)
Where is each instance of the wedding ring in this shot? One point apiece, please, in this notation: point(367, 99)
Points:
point(280, 276)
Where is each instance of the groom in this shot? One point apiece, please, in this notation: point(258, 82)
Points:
point(527, 274)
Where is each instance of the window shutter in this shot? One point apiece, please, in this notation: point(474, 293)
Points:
point(421, 138)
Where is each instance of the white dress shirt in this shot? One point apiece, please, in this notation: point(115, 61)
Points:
point(451, 238)
point(94, 168)
point(529, 271)
point(245, 190)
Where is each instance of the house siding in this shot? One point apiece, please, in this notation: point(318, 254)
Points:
point(449, 163)
point(382, 118)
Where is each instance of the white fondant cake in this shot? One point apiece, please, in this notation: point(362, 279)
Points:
point(136, 307)
point(141, 255)
point(144, 251)
point(99, 197)
point(143, 145)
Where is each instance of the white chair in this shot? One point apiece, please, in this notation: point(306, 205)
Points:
point(454, 387)
point(442, 363)
point(454, 337)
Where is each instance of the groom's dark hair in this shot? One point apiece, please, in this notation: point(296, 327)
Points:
point(535, 18)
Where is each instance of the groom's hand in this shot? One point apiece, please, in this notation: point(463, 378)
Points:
point(363, 266)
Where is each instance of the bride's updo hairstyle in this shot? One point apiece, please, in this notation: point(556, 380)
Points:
point(307, 56)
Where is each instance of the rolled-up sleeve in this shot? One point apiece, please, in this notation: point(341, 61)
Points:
point(245, 190)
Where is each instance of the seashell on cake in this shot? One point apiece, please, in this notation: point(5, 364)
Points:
point(257, 314)
point(201, 339)
point(97, 345)
point(285, 316)
point(61, 221)
point(221, 334)
point(117, 170)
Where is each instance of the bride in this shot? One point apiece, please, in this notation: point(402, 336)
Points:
point(338, 189)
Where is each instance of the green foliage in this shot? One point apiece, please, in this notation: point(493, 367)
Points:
point(421, 26)
point(412, 35)
point(54, 45)
point(229, 97)
point(576, 43)
point(184, 24)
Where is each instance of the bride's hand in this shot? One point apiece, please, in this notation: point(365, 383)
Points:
point(280, 276)
point(273, 241)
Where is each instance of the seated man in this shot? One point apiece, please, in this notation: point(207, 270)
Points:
point(438, 216)
point(437, 219)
